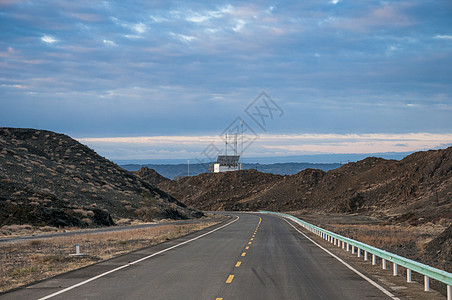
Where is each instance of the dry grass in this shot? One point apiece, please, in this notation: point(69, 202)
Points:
point(29, 261)
point(388, 237)
point(7, 231)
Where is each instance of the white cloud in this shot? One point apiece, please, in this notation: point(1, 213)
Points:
point(16, 86)
point(109, 43)
point(140, 28)
point(391, 50)
point(48, 39)
point(158, 19)
point(443, 37)
point(356, 143)
point(197, 18)
point(269, 144)
point(200, 17)
point(239, 26)
point(182, 37)
point(335, 1)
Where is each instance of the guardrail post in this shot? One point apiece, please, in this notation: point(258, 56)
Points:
point(353, 249)
point(449, 292)
point(408, 275)
point(348, 247)
point(359, 252)
point(394, 269)
point(374, 259)
point(426, 283)
point(366, 255)
point(339, 244)
point(383, 264)
point(343, 245)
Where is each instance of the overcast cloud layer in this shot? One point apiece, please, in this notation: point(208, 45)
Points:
point(96, 69)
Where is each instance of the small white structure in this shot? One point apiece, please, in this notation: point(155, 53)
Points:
point(77, 251)
point(225, 163)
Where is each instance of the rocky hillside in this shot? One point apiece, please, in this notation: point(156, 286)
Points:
point(50, 179)
point(150, 176)
point(415, 189)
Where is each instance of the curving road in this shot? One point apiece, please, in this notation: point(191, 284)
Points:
point(253, 256)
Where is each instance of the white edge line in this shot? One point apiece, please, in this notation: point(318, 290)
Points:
point(132, 263)
point(389, 294)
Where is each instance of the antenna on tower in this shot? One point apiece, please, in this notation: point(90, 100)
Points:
point(241, 153)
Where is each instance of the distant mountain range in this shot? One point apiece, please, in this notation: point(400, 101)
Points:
point(308, 158)
point(172, 171)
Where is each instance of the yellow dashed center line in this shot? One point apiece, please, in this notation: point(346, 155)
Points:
point(229, 280)
point(231, 277)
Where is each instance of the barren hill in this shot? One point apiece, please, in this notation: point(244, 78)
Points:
point(150, 176)
point(50, 179)
point(415, 189)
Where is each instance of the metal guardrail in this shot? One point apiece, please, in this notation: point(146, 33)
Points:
point(397, 260)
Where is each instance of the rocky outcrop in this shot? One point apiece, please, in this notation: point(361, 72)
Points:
point(150, 176)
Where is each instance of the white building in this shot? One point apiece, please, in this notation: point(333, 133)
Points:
point(225, 163)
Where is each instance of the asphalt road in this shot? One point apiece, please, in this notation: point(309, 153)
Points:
point(254, 256)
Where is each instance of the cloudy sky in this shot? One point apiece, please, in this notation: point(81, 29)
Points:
point(163, 79)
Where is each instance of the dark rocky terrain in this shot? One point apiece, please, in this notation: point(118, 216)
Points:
point(417, 189)
point(50, 179)
point(150, 176)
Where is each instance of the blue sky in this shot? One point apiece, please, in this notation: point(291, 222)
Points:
point(357, 75)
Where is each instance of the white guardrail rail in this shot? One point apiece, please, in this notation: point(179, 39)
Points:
point(365, 250)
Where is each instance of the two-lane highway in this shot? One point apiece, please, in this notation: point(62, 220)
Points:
point(253, 256)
